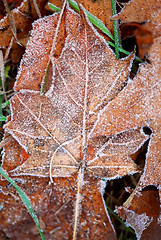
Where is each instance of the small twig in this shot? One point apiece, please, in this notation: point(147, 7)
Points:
point(130, 198)
point(12, 22)
point(10, 95)
point(8, 49)
point(2, 74)
point(37, 8)
point(118, 4)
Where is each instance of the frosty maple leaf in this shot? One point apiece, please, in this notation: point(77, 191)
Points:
point(56, 129)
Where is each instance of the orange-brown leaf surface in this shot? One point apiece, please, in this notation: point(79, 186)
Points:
point(12, 4)
point(144, 37)
point(53, 133)
point(143, 214)
point(54, 204)
point(148, 11)
point(100, 8)
point(139, 105)
point(22, 18)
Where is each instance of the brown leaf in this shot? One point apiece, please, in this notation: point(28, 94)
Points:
point(100, 8)
point(22, 18)
point(54, 205)
point(56, 129)
point(142, 214)
point(148, 11)
point(35, 62)
point(144, 38)
point(139, 105)
point(12, 4)
point(69, 120)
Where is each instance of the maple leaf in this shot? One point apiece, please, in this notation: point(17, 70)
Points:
point(56, 130)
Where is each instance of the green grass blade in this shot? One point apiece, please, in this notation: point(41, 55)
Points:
point(26, 201)
point(97, 22)
point(2, 118)
point(115, 29)
point(3, 105)
point(53, 7)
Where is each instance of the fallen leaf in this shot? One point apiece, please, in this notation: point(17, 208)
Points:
point(139, 105)
point(54, 204)
point(100, 9)
point(23, 17)
point(12, 4)
point(55, 130)
point(144, 38)
point(143, 214)
point(147, 11)
point(39, 48)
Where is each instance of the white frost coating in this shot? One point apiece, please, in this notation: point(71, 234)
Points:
point(60, 99)
point(95, 30)
point(108, 167)
point(139, 222)
point(109, 90)
point(35, 50)
point(143, 176)
point(16, 10)
point(102, 190)
point(159, 220)
point(105, 157)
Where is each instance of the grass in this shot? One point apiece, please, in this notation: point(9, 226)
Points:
point(4, 110)
point(25, 200)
